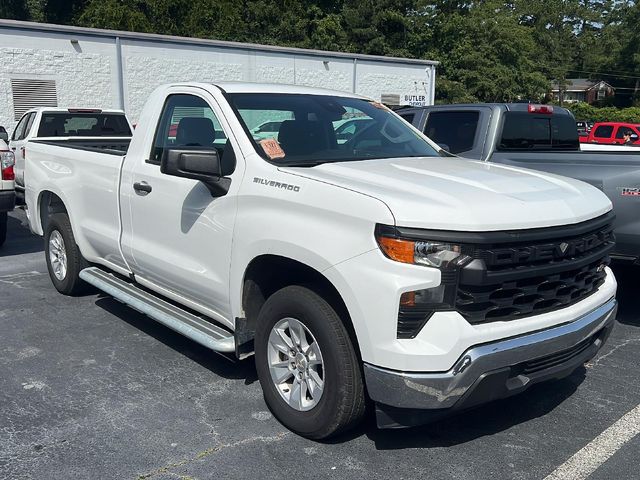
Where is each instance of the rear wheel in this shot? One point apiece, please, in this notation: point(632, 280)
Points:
point(3, 227)
point(64, 260)
point(307, 366)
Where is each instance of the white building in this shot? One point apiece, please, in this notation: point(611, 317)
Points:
point(54, 65)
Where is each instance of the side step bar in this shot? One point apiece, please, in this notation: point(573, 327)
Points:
point(196, 328)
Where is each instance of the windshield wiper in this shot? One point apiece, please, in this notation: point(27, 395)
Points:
point(304, 164)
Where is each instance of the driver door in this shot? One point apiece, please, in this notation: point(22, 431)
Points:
point(180, 241)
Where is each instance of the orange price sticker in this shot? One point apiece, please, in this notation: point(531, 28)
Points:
point(272, 148)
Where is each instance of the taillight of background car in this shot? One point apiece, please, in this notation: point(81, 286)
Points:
point(7, 161)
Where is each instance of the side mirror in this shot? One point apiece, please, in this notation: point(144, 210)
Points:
point(444, 146)
point(634, 137)
point(4, 136)
point(202, 165)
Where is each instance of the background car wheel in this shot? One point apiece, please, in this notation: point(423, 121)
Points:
point(3, 227)
point(64, 260)
point(307, 366)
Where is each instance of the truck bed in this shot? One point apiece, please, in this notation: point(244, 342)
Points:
point(111, 146)
point(89, 172)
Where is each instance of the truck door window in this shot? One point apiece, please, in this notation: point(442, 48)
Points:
point(408, 117)
point(457, 129)
point(27, 128)
point(603, 131)
point(18, 132)
point(623, 129)
point(187, 121)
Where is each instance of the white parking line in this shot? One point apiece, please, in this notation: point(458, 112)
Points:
point(601, 448)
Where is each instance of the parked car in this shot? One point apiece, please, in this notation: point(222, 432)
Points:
point(7, 191)
point(268, 129)
point(381, 266)
point(613, 133)
point(87, 127)
point(540, 137)
point(4, 136)
point(583, 130)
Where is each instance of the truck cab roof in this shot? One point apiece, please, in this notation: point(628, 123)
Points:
point(507, 107)
point(247, 87)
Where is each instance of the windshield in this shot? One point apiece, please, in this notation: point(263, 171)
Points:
point(315, 129)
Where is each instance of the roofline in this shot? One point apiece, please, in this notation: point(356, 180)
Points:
point(153, 37)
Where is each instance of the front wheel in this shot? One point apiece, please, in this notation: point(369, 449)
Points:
point(307, 366)
point(64, 260)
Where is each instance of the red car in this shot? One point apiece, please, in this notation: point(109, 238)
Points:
point(613, 132)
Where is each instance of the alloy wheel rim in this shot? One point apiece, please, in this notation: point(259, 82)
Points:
point(295, 364)
point(57, 255)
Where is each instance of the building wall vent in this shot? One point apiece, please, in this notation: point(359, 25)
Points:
point(30, 93)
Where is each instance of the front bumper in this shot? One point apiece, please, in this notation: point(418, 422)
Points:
point(7, 200)
point(490, 371)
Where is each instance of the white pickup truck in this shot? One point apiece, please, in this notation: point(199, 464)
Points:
point(78, 127)
point(376, 266)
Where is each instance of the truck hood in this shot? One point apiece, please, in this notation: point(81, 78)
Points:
point(459, 194)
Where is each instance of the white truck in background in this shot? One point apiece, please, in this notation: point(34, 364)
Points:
point(375, 265)
point(78, 127)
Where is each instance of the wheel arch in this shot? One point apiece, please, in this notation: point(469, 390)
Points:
point(268, 273)
point(49, 203)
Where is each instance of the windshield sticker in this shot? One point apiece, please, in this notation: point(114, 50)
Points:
point(630, 192)
point(272, 148)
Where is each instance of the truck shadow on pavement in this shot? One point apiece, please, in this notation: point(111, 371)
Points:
point(219, 364)
point(484, 421)
point(462, 428)
point(628, 298)
point(20, 240)
point(459, 429)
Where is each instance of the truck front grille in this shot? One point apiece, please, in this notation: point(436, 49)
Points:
point(530, 276)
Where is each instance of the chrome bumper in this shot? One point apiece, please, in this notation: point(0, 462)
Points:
point(496, 370)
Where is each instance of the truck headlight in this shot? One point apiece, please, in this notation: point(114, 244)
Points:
point(416, 307)
point(440, 255)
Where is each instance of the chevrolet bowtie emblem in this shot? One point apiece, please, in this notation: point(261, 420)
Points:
point(564, 246)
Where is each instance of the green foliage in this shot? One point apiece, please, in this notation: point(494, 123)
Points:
point(584, 111)
point(489, 50)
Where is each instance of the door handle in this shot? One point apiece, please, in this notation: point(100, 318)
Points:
point(142, 188)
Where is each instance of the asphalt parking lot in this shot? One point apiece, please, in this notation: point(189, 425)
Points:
point(91, 389)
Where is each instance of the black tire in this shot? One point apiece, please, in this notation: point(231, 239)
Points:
point(3, 227)
point(342, 404)
point(70, 284)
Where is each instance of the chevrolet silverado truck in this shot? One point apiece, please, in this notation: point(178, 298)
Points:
point(79, 127)
point(540, 137)
point(7, 191)
point(376, 266)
